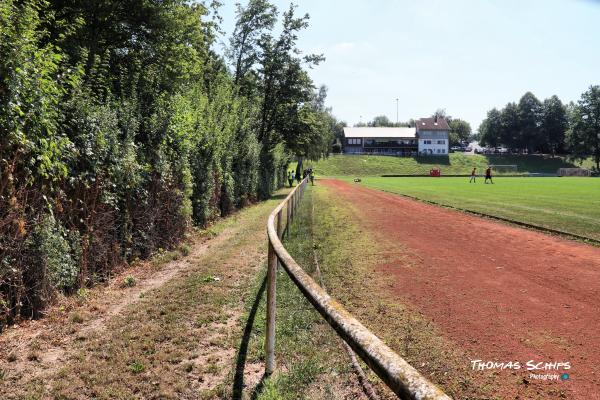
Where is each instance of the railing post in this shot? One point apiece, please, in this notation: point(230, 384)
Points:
point(271, 293)
point(279, 224)
point(288, 219)
point(295, 201)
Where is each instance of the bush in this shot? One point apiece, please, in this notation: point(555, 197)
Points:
point(56, 260)
point(128, 281)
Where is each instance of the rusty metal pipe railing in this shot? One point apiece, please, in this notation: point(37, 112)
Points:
point(404, 380)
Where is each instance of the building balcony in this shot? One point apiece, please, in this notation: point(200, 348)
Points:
point(389, 145)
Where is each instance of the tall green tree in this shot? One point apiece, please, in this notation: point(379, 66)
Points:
point(252, 30)
point(583, 137)
point(490, 128)
point(509, 134)
point(460, 131)
point(530, 120)
point(554, 124)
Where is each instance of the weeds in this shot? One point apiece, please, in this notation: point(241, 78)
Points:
point(211, 278)
point(128, 281)
point(137, 367)
point(83, 293)
point(185, 249)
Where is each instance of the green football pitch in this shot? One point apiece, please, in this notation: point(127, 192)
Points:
point(567, 204)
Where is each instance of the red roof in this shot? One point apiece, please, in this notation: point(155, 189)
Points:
point(432, 124)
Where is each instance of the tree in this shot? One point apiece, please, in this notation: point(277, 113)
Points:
point(510, 128)
point(381, 121)
point(530, 121)
point(554, 124)
point(252, 29)
point(283, 90)
point(490, 128)
point(460, 131)
point(441, 113)
point(338, 130)
point(583, 138)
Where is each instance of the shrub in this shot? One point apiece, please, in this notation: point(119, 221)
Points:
point(55, 262)
point(137, 367)
point(128, 281)
point(185, 249)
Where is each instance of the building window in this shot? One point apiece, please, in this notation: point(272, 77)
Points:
point(441, 142)
point(443, 151)
point(354, 141)
point(427, 141)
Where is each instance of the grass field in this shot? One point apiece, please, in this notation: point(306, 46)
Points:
point(455, 163)
point(568, 204)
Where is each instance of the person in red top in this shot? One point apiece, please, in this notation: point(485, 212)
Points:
point(488, 175)
point(472, 175)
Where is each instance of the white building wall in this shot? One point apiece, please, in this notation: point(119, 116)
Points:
point(434, 143)
point(433, 148)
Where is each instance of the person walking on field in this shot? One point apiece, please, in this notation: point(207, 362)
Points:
point(472, 175)
point(290, 177)
point(488, 175)
point(312, 177)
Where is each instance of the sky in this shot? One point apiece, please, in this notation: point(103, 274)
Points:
point(464, 56)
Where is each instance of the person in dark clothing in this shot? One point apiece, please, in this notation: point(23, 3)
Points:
point(290, 177)
point(488, 175)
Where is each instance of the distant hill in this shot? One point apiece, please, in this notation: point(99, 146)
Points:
point(453, 164)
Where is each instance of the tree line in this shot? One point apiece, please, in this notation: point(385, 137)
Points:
point(121, 126)
point(549, 127)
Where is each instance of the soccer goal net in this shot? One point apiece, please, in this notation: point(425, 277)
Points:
point(504, 169)
point(574, 172)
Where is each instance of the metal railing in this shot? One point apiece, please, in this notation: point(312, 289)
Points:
point(405, 381)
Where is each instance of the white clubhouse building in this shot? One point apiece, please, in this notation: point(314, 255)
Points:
point(428, 137)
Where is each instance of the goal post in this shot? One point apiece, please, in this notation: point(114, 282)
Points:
point(504, 168)
point(574, 172)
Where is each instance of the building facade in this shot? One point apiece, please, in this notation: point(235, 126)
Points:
point(433, 134)
point(391, 141)
point(428, 137)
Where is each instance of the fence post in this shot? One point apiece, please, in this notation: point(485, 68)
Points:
point(295, 201)
point(288, 220)
point(279, 224)
point(271, 292)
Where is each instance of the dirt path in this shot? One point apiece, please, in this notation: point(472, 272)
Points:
point(37, 349)
point(502, 293)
